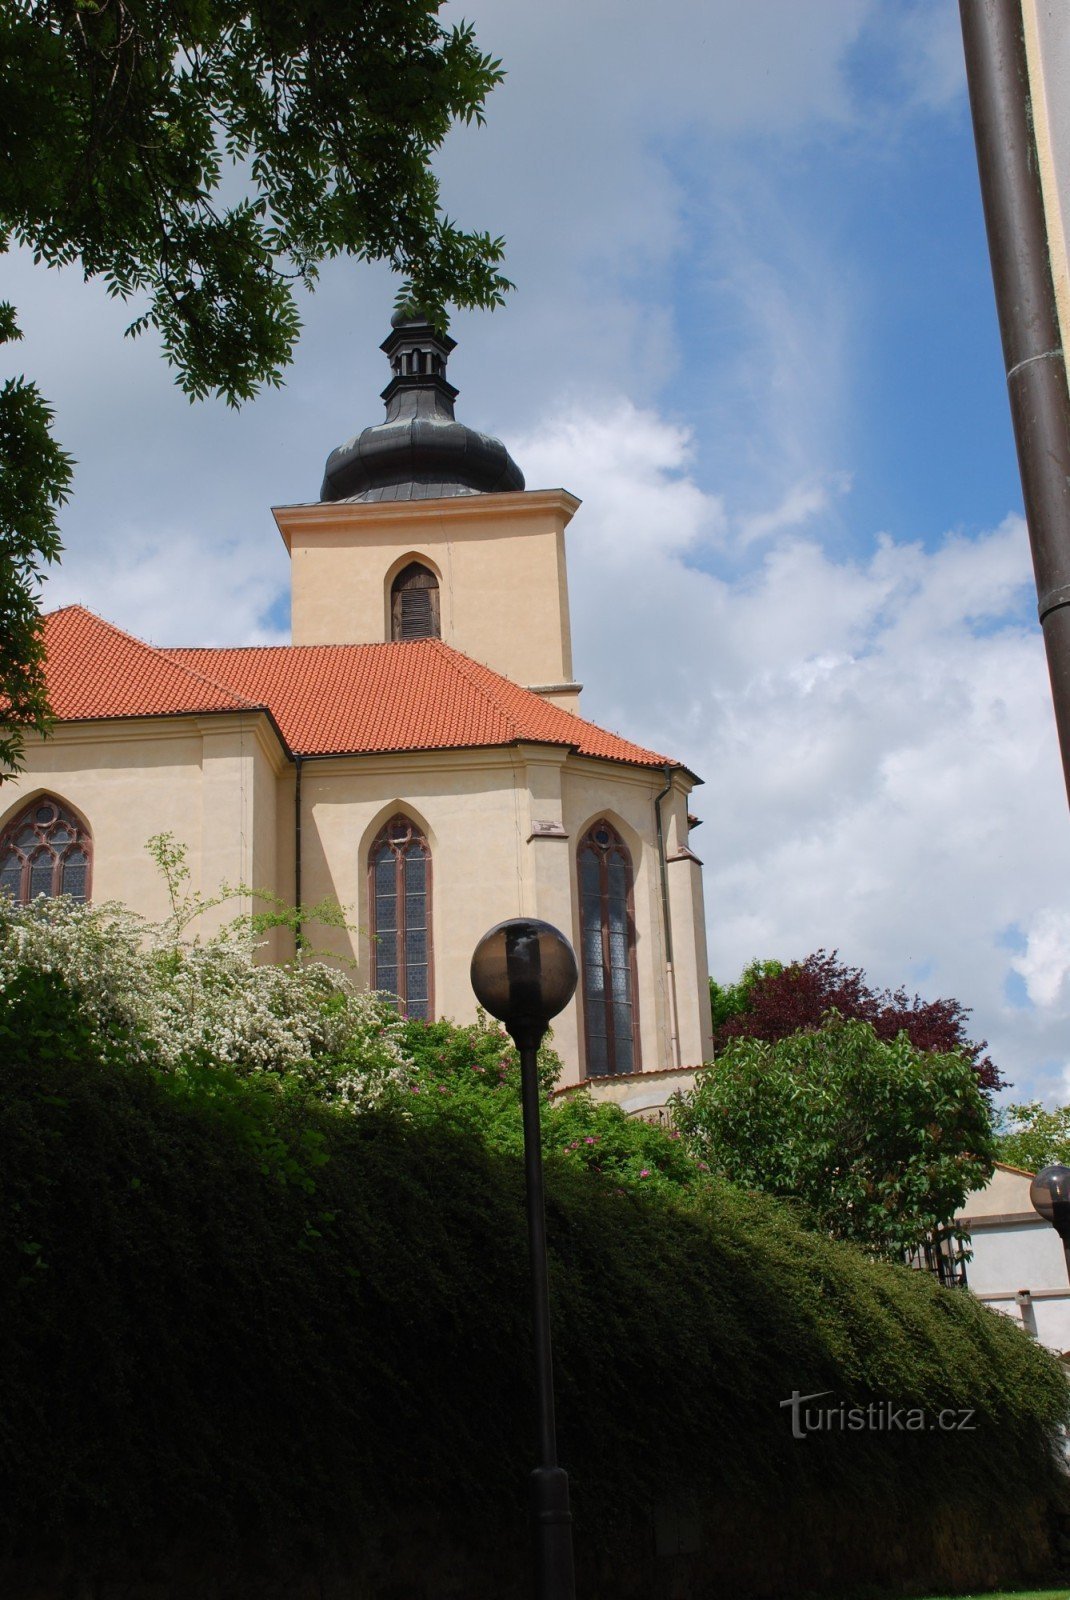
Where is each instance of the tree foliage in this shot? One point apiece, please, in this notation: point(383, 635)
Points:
point(202, 157)
point(880, 1140)
point(157, 995)
point(469, 1078)
point(771, 1001)
point(1031, 1136)
point(240, 1307)
point(34, 478)
point(343, 1367)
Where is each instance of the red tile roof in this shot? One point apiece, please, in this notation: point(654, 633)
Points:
point(325, 699)
point(96, 670)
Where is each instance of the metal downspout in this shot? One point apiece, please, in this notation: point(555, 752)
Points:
point(997, 73)
point(670, 971)
point(297, 855)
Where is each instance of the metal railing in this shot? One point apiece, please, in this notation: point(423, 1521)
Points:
point(944, 1256)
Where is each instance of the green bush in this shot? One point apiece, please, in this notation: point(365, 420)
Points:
point(1030, 1135)
point(878, 1140)
point(469, 1077)
point(154, 993)
point(194, 1341)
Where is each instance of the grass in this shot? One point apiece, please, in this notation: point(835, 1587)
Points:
point(1009, 1594)
point(986, 1594)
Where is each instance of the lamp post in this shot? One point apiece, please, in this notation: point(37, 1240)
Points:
point(524, 972)
point(1049, 1194)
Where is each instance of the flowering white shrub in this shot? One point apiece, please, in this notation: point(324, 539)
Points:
point(165, 999)
point(99, 952)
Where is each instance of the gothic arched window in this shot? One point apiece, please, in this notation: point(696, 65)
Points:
point(45, 850)
point(607, 924)
point(414, 603)
point(399, 870)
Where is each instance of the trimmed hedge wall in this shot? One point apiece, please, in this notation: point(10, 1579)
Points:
point(250, 1341)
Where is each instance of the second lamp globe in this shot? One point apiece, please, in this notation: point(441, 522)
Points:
point(524, 972)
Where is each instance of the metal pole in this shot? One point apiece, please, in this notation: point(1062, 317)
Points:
point(297, 853)
point(550, 1516)
point(997, 73)
point(666, 910)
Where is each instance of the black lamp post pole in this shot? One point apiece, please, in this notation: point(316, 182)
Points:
point(524, 972)
point(550, 1514)
point(1049, 1194)
point(1060, 1221)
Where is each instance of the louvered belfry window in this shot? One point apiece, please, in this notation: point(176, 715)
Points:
point(414, 604)
point(45, 850)
point(400, 894)
point(607, 923)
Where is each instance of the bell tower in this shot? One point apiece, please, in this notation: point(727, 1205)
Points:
point(424, 528)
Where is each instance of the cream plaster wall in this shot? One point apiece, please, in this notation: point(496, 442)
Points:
point(628, 803)
point(503, 826)
point(691, 986)
point(644, 1094)
point(1047, 43)
point(499, 559)
point(209, 781)
point(1006, 1193)
point(470, 813)
point(476, 810)
point(488, 817)
point(1018, 1266)
point(270, 824)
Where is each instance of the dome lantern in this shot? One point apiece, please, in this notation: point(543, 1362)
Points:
point(420, 451)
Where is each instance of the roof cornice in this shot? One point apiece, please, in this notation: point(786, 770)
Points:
point(136, 725)
point(332, 516)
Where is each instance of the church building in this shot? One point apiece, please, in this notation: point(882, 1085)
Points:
point(417, 753)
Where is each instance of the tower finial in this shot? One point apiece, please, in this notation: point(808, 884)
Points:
point(417, 356)
point(420, 452)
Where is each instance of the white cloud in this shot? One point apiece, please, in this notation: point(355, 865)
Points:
point(166, 586)
point(1045, 963)
point(636, 461)
point(875, 733)
point(925, 43)
point(800, 503)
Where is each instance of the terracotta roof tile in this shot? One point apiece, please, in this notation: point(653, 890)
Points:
point(96, 670)
point(325, 699)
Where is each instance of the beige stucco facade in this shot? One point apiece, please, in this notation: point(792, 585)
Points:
point(502, 826)
point(211, 781)
point(647, 1095)
point(502, 823)
point(500, 564)
point(485, 814)
point(1047, 46)
point(1017, 1265)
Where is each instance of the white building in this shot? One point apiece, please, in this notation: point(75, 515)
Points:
point(1018, 1265)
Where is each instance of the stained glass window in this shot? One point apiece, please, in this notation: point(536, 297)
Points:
point(44, 850)
point(414, 604)
point(607, 942)
point(400, 882)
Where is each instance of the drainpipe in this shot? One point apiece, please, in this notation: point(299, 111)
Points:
point(670, 972)
point(297, 853)
point(993, 33)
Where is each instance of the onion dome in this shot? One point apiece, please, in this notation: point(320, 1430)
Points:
point(421, 452)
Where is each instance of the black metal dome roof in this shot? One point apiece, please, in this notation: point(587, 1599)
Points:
point(420, 452)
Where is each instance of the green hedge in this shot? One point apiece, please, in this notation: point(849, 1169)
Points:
point(252, 1321)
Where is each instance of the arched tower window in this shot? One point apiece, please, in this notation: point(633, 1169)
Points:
point(414, 604)
point(399, 871)
point(607, 924)
point(45, 850)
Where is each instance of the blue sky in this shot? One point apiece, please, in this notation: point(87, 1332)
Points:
point(754, 330)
